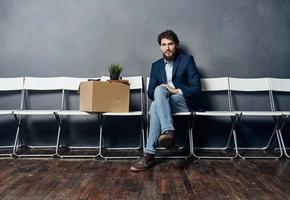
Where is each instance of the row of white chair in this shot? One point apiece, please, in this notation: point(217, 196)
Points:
point(250, 86)
point(230, 86)
point(223, 84)
point(62, 85)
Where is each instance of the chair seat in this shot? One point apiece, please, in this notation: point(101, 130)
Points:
point(6, 112)
point(135, 113)
point(181, 114)
point(178, 113)
point(73, 112)
point(260, 113)
point(216, 113)
point(35, 112)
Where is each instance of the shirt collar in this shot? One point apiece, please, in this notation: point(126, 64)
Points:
point(168, 62)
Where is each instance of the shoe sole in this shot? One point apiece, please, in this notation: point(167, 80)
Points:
point(134, 169)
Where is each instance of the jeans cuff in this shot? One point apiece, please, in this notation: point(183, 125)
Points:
point(149, 151)
point(168, 129)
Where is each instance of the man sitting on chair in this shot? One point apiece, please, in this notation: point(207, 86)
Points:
point(173, 87)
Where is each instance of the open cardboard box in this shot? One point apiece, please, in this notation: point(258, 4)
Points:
point(103, 96)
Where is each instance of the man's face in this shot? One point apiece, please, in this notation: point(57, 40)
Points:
point(168, 48)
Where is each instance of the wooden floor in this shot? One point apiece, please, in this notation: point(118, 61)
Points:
point(170, 179)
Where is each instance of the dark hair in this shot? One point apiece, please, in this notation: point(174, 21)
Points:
point(168, 34)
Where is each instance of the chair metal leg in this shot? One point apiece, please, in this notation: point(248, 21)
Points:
point(269, 141)
point(275, 130)
point(228, 142)
point(100, 140)
point(283, 145)
point(236, 144)
point(191, 142)
point(16, 140)
point(266, 146)
point(142, 135)
point(58, 145)
point(17, 143)
point(281, 136)
point(58, 134)
point(271, 138)
point(232, 132)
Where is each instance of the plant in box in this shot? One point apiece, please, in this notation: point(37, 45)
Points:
point(115, 71)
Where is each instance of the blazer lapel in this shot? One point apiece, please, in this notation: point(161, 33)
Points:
point(163, 73)
point(175, 65)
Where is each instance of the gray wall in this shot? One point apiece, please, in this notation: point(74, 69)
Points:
point(240, 38)
point(247, 38)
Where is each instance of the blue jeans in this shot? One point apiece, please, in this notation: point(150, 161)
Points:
point(160, 115)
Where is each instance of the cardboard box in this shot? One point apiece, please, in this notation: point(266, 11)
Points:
point(101, 96)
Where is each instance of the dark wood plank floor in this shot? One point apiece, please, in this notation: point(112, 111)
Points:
point(171, 179)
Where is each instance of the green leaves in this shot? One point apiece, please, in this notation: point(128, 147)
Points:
point(115, 71)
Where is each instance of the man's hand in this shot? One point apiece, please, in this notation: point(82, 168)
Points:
point(172, 90)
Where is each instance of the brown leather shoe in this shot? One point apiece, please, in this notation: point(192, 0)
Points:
point(166, 140)
point(143, 163)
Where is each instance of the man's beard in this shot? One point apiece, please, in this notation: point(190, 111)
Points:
point(169, 58)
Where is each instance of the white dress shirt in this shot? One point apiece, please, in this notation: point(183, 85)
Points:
point(168, 70)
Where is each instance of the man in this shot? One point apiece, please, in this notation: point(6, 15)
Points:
point(173, 87)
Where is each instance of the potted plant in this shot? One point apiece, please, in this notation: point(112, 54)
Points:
point(115, 71)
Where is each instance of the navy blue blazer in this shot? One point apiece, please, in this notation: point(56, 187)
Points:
point(185, 76)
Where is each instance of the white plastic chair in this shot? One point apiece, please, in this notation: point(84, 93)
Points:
point(72, 84)
point(279, 85)
point(178, 114)
point(254, 86)
point(14, 85)
point(211, 85)
point(42, 86)
point(136, 83)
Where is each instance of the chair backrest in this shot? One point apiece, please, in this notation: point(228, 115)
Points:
point(280, 84)
point(281, 88)
point(147, 82)
point(71, 86)
point(11, 92)
point(215, 86)
point(72, 83)
point(45, 89)
point(249, 84)
point(45, 83)
point(11, 84)
point(136, 83)
point(253, 89)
